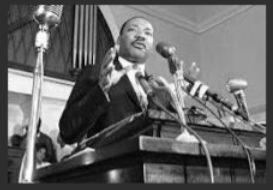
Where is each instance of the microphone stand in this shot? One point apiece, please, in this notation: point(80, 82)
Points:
point(202, 142)
point(47, 17)
point(176, 70)
point(174, 98)
point(28, 161)
point(246, 149)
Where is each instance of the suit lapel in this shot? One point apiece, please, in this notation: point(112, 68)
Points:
point(126, 86)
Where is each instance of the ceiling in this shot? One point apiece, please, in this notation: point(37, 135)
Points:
point(194, 13)
point(195, 18)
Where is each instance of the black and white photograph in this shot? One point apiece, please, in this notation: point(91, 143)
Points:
point(146, 94)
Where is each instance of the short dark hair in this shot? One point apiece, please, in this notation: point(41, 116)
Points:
point(39, 145)
point(127, 21)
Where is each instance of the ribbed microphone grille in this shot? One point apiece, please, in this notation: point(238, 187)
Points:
point(57, 9)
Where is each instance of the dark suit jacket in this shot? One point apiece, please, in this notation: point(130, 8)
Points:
point(88, 111)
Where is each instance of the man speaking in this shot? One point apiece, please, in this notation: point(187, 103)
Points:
point(97, 103)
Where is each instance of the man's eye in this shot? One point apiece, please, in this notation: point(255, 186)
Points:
point(131, 29)
point(148, 33)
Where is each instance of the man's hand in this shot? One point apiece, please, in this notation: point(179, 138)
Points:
point(106, 69)
point(194, 70)
point(161, 84)
point(108, 75)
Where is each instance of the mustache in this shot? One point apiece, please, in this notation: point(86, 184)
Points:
point(141, 42)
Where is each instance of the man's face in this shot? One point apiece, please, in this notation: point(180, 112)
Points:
point(40, 155)
point(136, 40)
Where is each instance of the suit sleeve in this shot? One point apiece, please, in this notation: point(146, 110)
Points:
point(87, 102)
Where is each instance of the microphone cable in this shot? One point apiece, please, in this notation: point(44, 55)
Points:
point(200, 139)
point(246, 149)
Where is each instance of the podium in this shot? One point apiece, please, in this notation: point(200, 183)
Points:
point(146, 159)
point(121, 156)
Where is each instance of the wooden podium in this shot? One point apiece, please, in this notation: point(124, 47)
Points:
point(155, 160)
point(121, 156)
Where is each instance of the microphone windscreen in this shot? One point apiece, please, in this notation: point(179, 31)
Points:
point(165, 50)
point(234, 85)
point(48, 14)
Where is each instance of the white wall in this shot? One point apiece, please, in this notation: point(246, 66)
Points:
point(236, 48)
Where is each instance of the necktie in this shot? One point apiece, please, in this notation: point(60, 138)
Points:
point(140, 92)
point(142, 97)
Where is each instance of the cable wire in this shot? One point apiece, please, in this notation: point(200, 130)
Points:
point(246, 149)
point(207, 154)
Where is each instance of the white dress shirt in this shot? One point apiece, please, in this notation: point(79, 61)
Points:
point(142, 97)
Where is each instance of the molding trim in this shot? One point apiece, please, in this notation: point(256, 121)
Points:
point(222, 17)
point(184, 23)
point(22, 82)
point(167, 17)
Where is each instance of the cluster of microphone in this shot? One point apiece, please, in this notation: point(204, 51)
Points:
point(235, 86)
point(197, 88)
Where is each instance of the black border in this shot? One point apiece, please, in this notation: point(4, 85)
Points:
point(4, 100)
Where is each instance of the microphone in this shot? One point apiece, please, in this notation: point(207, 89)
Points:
point(145, 85)
point(167, 51)
point(236, 87)
point(48, 14)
